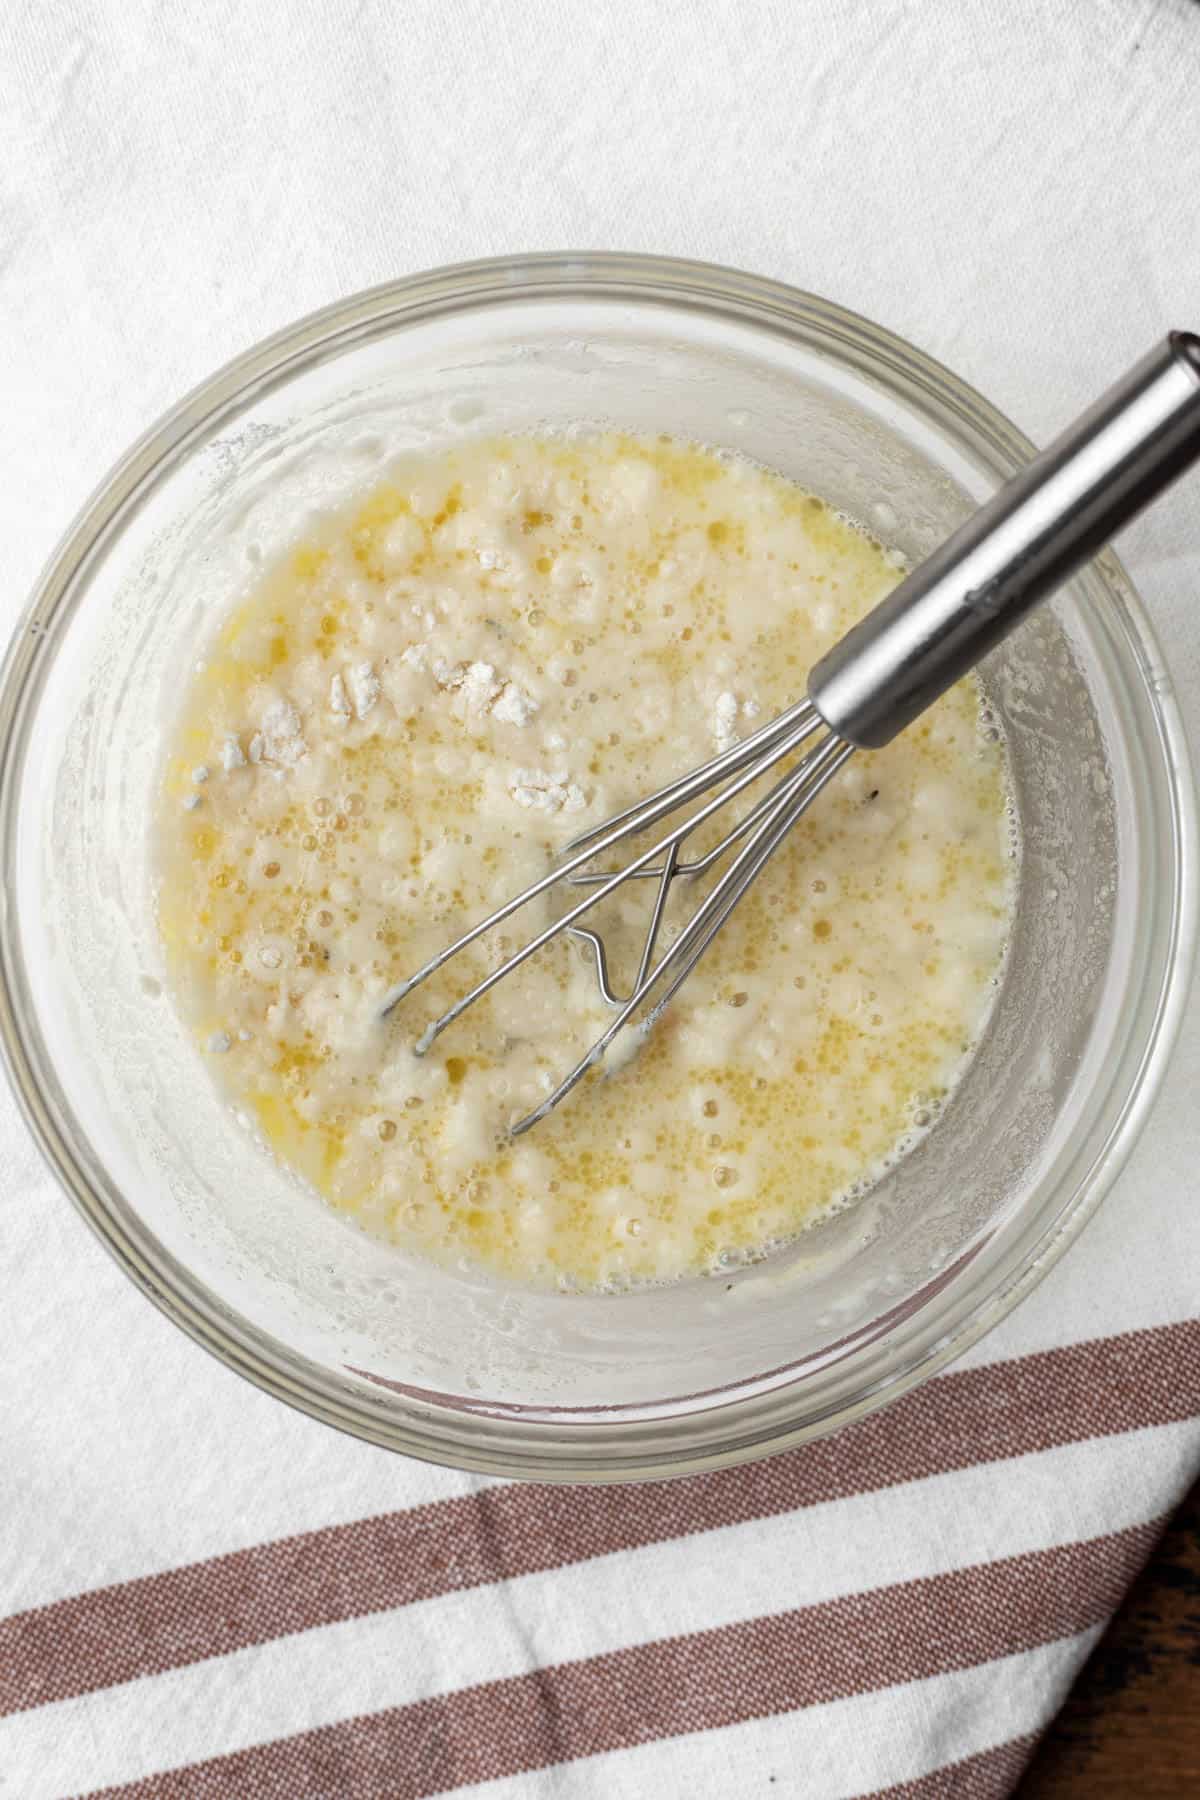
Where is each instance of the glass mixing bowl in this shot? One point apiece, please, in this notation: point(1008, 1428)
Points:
point(447, 1365)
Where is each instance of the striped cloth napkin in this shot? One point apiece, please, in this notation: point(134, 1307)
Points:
point(229, 1602)
point(207, 1595)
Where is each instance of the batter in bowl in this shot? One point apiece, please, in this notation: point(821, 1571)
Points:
point(405, 722)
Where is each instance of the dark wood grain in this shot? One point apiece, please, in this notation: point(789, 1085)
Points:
point(1131, 1726)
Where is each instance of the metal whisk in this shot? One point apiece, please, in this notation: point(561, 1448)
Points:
point(934, 626)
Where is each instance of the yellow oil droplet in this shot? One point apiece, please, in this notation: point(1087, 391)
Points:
point(308, 561)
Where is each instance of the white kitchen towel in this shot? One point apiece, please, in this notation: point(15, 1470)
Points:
point(209, 1595)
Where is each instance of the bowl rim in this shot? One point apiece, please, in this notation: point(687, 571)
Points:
point(475, 1439)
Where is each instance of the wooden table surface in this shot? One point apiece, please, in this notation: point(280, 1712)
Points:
point(1131, 1727)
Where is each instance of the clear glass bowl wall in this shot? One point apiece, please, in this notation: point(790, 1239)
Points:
point(448, 1365)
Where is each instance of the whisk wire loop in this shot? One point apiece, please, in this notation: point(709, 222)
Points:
point(764, 827)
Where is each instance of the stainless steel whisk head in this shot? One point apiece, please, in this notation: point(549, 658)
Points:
point(934, 626)
point(764, 828)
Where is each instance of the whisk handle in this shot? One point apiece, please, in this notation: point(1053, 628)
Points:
point(1135, 441)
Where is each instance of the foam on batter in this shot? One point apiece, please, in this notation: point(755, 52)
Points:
point(408, 718)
